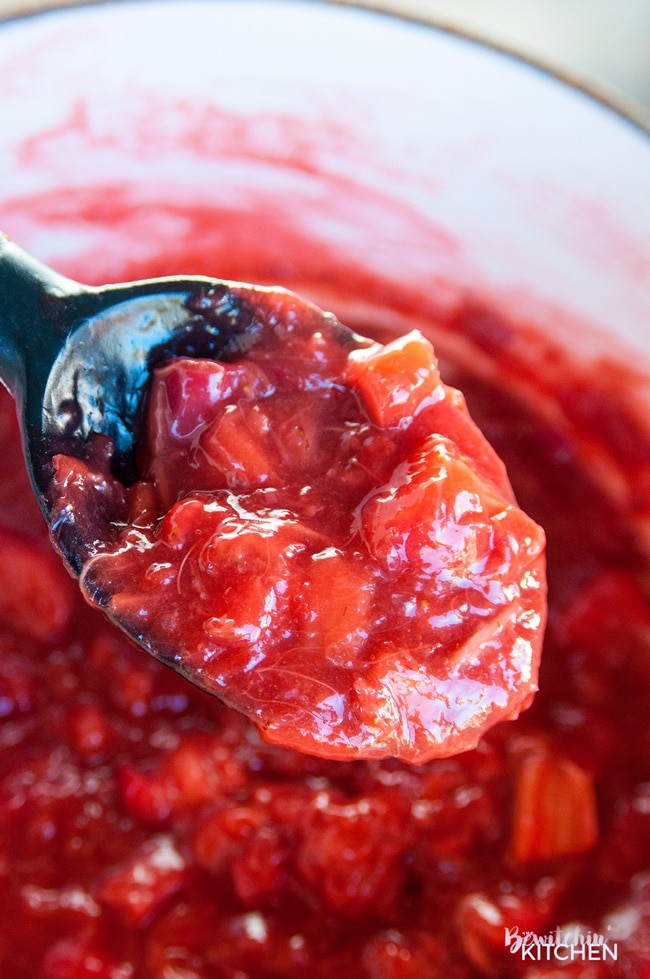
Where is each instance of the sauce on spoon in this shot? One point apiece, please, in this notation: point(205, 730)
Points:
point(320, 536)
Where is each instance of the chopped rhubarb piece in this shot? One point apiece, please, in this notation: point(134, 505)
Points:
point(396, 381)
point(432, 516)
point(88, 504)
point(201, 770)
point(222, 835)
point(89, 732)
point(146, 796)
point(140, 887)
point(84, 958)
point(348, 859)
point(186, 522)
point(186, 395)
point(334, 606)
point(238, 445)
point(492, 931)
point(36, 594)
point(300, 428)
point(259, 870)
point(198, 771)
point(326, 541)
point(436, 520)
point(555, 809)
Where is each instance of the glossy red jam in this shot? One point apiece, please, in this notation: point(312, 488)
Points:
point(322, 537)
point(145, 830)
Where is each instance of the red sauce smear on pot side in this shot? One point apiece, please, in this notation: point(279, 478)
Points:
point(323, 538)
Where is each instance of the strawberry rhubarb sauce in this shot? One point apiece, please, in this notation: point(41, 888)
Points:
point(321, 536)
point(147, 831)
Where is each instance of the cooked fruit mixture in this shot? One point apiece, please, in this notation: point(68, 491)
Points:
point(323, 538)
point(146, 832)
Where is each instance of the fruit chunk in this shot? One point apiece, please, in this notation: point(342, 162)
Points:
point(83, 957)
point(396, 381)
point(350, 854)
point(431, 517)
point(238, 445)
point(141, 886)
point(490, 929)
point(298, 429)
point(35, 592)
point(334, 606)
point(88, 730)
point(198, 771)
point(555, 809)
point(186, 397)
point(87, 503)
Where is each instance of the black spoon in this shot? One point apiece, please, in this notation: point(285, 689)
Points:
point(78, 358)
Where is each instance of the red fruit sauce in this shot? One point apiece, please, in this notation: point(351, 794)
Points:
point(147, 831)
point(323, 538)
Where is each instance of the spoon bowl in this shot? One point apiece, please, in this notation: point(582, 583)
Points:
point(78, 358)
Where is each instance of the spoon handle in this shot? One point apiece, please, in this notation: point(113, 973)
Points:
point(33, 321)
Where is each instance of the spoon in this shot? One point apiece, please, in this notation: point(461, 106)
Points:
point(77, 358)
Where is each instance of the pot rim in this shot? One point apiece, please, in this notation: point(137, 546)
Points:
point(624, 107)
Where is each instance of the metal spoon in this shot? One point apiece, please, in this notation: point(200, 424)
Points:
point(78, 358)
